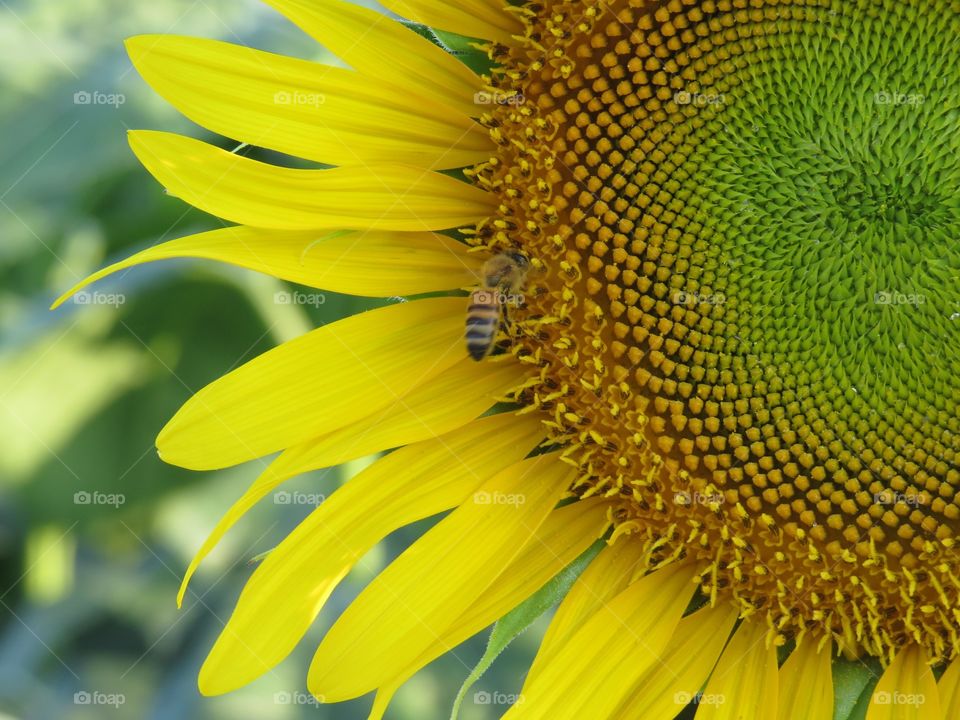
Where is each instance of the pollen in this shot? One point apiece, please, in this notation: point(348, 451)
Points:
point(744, 326)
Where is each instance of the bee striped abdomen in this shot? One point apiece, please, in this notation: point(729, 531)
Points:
point(483, 319)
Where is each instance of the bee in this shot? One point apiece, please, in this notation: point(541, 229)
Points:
point(502, 279)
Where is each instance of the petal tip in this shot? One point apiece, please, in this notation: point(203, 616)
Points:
point(209, 684)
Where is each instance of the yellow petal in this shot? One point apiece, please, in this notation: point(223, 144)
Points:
point(907, 689)
point(806, 684)
point(423, 592)
point(312, 111)
point(486, 19)
point(459, 395)
point(286, 592)
point(248, 192)
point(744, 683)
point(686, 664)
point(315, 384)
point(439, 406)
point(381, 701)
point(949, 691)
point(562, 538)
point(610, 573)
point(601, 662)
point(374, 263)
point(382, 48)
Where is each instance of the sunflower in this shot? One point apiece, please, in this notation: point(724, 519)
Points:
point(735, 361)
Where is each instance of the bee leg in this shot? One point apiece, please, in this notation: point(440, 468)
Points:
point(506, 326)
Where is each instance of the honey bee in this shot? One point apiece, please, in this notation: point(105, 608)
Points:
point(502, 279)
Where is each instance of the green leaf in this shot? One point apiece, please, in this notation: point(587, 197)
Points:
point(424, 31)
point(521, 617)
point(466, 50)
point(853, 684)
point(463, 48)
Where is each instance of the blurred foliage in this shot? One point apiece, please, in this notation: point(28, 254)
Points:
point(95, 531)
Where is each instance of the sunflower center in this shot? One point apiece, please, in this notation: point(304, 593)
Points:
point(746, 328)
point(870, 203)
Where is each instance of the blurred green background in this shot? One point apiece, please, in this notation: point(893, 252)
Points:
point(95, 531)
